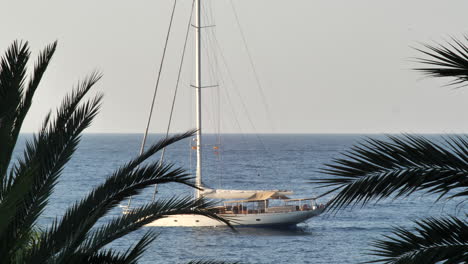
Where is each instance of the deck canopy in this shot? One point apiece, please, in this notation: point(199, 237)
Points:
point(262, 196)
point(241, 194)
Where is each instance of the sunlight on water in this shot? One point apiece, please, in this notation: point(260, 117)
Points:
point(288, 162)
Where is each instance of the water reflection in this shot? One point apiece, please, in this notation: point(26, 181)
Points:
point(302, 230)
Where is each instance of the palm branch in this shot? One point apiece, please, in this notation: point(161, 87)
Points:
point(110, 256)
point(47, 154)
point(402, 165)
point(446, 61)
point(138, 217)
point(12, 77)
point(398, 166)
point(15, 98)
point(74, 230)
point(443, 240)
point(26, 185)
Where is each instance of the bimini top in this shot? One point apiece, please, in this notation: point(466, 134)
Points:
point(238, 194)
point(261, 196)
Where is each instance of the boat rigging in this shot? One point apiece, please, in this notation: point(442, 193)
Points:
point(240, 207)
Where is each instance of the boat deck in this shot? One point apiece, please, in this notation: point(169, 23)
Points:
point(241, 209)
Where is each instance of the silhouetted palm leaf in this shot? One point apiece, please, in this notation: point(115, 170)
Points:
point(139, 217)
point(12, 77)
point(26, 185)
point(35, 78)
point(15, 101)
point(436, 240)
point(447, 61)
point(397, 167)
point(110, 256)
point(129, 180)
point(48, 153)
point(402, 165)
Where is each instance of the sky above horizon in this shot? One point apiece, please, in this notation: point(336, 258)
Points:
point(323, 66)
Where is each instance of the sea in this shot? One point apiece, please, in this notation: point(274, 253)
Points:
point(232, 161)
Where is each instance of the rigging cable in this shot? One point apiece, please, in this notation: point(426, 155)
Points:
point(142, 148)
point(175, 91)
point(211, 61)
point(257, 79)
point(244, 107)
point(216, 99)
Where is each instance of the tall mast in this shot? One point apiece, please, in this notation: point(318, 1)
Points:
point(198, 93)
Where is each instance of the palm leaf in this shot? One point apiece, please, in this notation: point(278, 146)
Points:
point(443, 240)
point(8, 210)
point(14, 104)
point(49, 152)
point(398, 166)
point(126, 181)
point(446, 61)
point(110, 256)
point(26, 185)
point(132, 256)
point(137, 218)
point(12, 77)
point(39, 69)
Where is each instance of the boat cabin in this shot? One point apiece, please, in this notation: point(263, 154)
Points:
point(267, 202)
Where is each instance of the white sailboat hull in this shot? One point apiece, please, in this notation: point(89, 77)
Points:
point(264, 219)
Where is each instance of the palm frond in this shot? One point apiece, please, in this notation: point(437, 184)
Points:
point(450, 60)
point(132, 256)
point(139, 217)
point(161, 144)
point(126, 181)
point(14, 103)
point(8, 211)
point(12, 77)
point(48, 152)
point(110, 256)
point(39, 69)
point(398, 167)
point(26, 185)
point(434, 241)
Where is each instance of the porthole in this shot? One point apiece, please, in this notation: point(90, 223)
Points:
point(175, 220)
point(197, 221)
point(258, 220)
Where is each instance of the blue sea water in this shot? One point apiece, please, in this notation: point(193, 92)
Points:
point(244, 162)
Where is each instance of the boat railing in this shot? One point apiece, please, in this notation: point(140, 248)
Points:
point(268, 206)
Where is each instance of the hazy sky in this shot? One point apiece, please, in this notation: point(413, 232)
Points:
point(324, 66)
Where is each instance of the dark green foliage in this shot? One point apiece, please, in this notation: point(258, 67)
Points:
point(447, 61)
point(27, 183)
point(444, 239)
point(398, 167)
point(402, 165)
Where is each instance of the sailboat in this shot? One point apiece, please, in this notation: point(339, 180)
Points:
point(240, 207)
